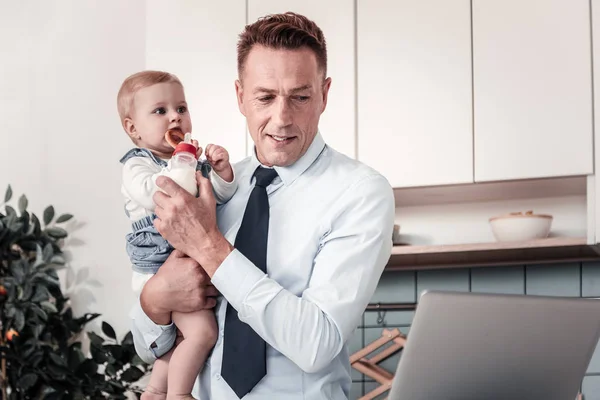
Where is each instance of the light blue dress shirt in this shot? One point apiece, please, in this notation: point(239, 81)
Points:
point(330, 237)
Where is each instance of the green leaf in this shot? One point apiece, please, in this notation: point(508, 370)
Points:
point(132, 374)
point(111, 371)
point(48, 307)
point(76, 357)
point(108, 330)
point(64, 218)
point(8, 194)
point(87, 318)
point(17, 271)
point(38, 329)
point(115, 350)
point(27, 291)
point(48, 392)
point(19, 320)
point(45, 276)
point(136, 360)
point(58, 360)
point(48, 215)
point(127, 340)
point(11, 310)
point(10, 212)
point(57, 372)
point(37, 226)
point(36, 359)
point(96, 340)
point(98, 354)
point(41, 294)
point(58, 259)
point(27, 381)
point(23, 203)
point(48, 252)
point(29, 351)
point(39, 312)
point(88, 367)
point(56, 233)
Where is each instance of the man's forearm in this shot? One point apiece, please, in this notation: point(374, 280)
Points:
point(212, 251)
point(292, 325)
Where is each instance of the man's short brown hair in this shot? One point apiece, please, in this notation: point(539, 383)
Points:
point(283, 31)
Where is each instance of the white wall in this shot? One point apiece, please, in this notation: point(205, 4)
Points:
point(197, 42)
point(60, 137)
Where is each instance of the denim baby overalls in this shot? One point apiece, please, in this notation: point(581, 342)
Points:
point(146, 248)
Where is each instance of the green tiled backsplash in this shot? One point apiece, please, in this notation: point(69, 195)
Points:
point(572, 279)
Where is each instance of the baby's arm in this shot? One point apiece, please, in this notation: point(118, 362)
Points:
point(221, 175)
point(139, 180)
point(222, 189)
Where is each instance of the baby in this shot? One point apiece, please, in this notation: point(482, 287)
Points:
point(150, 103)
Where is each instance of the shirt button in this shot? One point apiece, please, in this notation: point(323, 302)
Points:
point(217, 376)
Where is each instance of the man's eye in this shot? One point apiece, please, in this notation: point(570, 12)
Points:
point(159, 110)
point(182, 110)
point(302, 99)
point(265, 99)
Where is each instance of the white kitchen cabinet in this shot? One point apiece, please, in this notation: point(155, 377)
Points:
point(336, 19)
point(197, 42)
point(414, 90)
point(593, 181)
point(532, 89)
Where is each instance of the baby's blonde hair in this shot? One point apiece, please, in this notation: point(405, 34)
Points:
point(138, 81)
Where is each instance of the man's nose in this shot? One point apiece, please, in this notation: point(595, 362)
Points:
point(283, 114)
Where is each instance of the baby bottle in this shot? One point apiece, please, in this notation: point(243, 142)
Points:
point(183, 166)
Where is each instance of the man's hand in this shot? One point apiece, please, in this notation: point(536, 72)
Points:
point(190, 223)
point(218, 158)
point(179, 285)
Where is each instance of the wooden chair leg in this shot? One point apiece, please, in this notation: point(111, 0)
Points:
point(376, 392)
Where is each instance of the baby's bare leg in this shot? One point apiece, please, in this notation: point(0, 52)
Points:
point(157, 387)
point(199, 330)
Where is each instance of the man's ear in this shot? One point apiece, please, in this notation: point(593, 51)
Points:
point(239, 94)
point(326, 86)
point(130, 129)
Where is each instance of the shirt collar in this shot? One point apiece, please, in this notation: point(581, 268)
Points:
point(290, 173)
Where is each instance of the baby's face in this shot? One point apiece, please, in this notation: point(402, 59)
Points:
point(156, 109)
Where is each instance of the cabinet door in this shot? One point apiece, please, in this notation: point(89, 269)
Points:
point(594, 181)
point(336, 20)
point(197, 42)
point(414, 90)
point(532, 89)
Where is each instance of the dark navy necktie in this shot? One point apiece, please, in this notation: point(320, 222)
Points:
point(244, 351)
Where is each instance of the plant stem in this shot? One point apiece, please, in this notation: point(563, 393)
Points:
point(3, 376)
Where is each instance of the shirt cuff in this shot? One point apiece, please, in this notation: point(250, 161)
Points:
point(159, 339)
point(235, 278)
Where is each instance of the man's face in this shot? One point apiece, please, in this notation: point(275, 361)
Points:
point(282, 94)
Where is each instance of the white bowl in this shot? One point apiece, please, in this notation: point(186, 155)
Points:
point(521, 226)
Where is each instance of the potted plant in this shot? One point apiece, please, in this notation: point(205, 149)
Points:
point(41, 354)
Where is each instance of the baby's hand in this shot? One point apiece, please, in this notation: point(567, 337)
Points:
point(218, 158)
point(199, 151)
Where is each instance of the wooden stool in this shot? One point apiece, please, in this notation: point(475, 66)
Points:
point(369, 367)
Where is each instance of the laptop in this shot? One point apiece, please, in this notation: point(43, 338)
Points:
point(471, 346)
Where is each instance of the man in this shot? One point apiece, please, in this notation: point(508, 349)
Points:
point(311, 232)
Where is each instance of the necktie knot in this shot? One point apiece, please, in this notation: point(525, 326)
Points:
point(264, 176)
